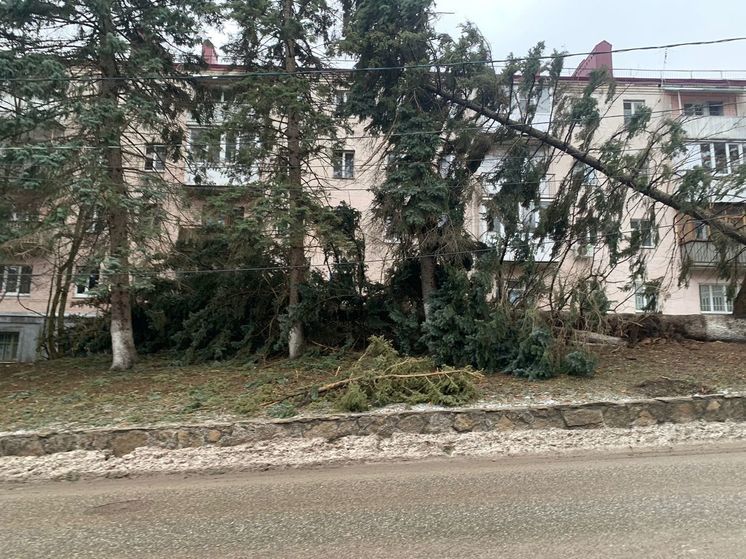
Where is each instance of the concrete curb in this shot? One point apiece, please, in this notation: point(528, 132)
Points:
point(120, 441)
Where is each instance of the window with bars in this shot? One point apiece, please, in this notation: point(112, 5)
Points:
point(15, 279)
point(713, 298)
point(9, 346)
point(344, 164)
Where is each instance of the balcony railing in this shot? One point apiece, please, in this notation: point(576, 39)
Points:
point(715, 127)
point(704, 254)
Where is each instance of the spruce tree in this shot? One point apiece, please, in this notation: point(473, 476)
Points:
point(287, 125)
point(115, 82)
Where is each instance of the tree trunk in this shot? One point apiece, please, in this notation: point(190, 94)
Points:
point(55, 323)
point(297, 255)
point(123, 353)
point(427, 282)
point(739, 303)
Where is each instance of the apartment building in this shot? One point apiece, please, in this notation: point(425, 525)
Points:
point(712, 112)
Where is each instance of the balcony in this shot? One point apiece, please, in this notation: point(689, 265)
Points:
point(542, 250)
point(703, 254)
point(715, 127)
point(206, 177)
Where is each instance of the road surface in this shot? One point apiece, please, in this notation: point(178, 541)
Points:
point(688, 504)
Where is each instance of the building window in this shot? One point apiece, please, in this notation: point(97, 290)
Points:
point(588, 175)
point(222, 217)
point(490, 225)
point(711, 108)
point(9, 346)
point(715, 108)
point(155, 158)
point(515, 292)
point(644, 230)
point(15, 280)
point(631, 108)
point(721, 157)
point(86, 279)
point(646, 297)
point(344, 164)
point(531, 216)
point(713, 298)
point(20, 217)
point(340, 98)
point(204, 145)
point(701, 231)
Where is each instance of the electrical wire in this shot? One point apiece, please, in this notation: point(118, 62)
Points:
point(432, 64)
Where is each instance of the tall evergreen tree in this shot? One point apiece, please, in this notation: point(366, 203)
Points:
point(431, 151)
point(287, 127)
point(114, 81)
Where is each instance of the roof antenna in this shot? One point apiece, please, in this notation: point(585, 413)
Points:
point(665, 59)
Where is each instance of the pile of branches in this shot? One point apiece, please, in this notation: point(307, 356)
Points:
point(381, 377)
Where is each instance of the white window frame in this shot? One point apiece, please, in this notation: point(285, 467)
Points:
point(701, 231)
point(708, 158)
point(343, 164)
point(340, 97)
point(642, 301)
point(514, 293)
point(589, 175)
point(92, 277)
point(707, 297)
point(155, 158)
point(630, 108)
point(489, 230)
point(19, 274)
point(637, 225)
point(531, 217)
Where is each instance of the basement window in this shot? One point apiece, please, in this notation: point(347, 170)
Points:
point(9, 346)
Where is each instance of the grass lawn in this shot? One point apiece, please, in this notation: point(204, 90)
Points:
point(83, 392)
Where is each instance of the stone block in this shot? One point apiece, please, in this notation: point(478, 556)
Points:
point(189, 437)
point(324, 429)
point(439, 422)
point(681, 412)
point(413, 423)
point(583, 417)
point(124, 442)
point(213, 436)
point(503, 424)
point(644, 419)
point(59, 442)
point(465, 422)
point(619, 415)
point(547, 418)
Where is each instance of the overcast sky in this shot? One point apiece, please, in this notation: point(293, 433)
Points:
point(577, 25)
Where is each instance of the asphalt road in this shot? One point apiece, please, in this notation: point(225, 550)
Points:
point(691, 504)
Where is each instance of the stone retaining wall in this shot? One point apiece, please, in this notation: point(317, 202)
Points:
point(715, 407)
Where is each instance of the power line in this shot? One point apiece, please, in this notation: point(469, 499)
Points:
point(432, 64)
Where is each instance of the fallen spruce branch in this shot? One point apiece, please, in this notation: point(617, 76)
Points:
point(374, 378)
